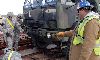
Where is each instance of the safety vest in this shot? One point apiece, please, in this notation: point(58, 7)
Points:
point(79, 39)
point(9, 22)
point(10, 55)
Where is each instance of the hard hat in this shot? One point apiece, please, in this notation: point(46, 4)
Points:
point(20, 15)
point(10, 14)
point(83, 4)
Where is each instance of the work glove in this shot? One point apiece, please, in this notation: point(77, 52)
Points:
point(60, 34)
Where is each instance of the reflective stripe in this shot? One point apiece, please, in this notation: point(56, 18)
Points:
point(77, 40)
point(97, 45)
point(98, 42)
point(9, 22)
point(97, 51)
point(9, 57)
point(97, 48)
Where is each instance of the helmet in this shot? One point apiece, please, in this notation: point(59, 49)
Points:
point(10, 14)
point(83, 4)
point(20, 16)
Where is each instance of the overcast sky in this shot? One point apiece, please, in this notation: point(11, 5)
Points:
point(15, 6)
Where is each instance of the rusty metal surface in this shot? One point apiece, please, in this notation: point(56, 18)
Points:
point(23, 36)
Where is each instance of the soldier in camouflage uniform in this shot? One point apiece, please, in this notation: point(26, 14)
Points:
point(11, 29)
point(9, 26)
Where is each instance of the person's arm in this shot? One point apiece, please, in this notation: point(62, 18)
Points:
point(4, 28)
point(65, 34)
point(90, 35)
point(18, 25)
point(69, 33)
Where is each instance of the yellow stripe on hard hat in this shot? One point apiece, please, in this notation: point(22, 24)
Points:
point(9, 57)
point(9, 22)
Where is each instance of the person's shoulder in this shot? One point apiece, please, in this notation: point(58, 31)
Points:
point(4, 19)
point(94, 22)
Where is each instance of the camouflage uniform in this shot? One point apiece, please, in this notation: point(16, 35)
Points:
point(15, 55)
point(7, 29)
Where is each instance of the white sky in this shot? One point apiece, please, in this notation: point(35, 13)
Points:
point(15, 6)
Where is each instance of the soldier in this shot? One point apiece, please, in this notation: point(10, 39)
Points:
point(20, 18)
point(9, 26)
point(11, 29)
